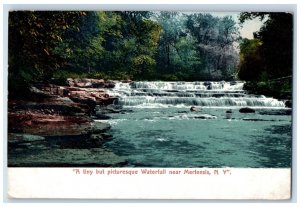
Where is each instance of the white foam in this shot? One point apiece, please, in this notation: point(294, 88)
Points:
point(112, 121)
point(159, 94)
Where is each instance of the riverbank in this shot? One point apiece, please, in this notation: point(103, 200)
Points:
point(280, 88)
point(57, 128)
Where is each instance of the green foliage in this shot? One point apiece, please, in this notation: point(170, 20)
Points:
point(95, 75)
point(54, 45)
point(33, 37)
point(248, 47)
point(120, 75)
point(130, 47)
point(270, 54)
point(60, 77)
point(177, 50)
point(277, 88)
point(215, 39)
point(244, 16)
point(251, 66)
point(169, 77)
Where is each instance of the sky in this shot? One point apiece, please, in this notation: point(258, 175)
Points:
point(249, 26)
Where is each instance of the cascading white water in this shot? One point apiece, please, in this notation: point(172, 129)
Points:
point(207, 94)
point(160, 130)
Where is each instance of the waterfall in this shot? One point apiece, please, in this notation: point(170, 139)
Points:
point(206, 94)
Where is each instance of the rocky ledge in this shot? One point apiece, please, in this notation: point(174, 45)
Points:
point(56, 128)
point(87, 96)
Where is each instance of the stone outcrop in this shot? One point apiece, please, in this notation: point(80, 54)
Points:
point(56, 127)
point(90, 83)
point(193, 108)
point(288, 103)
point(85, 95)
point(52, 124)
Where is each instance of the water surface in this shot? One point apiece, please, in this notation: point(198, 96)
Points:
point(161, 131)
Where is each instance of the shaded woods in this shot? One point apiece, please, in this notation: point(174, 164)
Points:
point(50, 46)
point(266, 61)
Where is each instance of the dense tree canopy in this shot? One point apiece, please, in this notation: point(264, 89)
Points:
point(51, 45)
point(215, 37)
point(269, 54)
point(121, 45)
point(33, 38)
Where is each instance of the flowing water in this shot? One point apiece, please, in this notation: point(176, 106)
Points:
point(161, 131)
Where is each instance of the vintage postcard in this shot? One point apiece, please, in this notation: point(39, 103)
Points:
point(157, 104)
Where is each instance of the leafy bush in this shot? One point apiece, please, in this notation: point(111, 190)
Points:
point(170, 77)
point(60, 77)
point(96, 75)
point(281, 89)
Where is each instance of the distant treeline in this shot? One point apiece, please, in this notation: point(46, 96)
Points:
point(122, 45)
point(47, 46)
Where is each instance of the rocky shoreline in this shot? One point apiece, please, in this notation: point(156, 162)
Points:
point(56, 128)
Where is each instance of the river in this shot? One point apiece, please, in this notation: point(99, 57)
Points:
point(161, 131)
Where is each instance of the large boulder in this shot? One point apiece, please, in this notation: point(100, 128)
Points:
point(288, 103)
point(208, 85)
point(97, 83)
point(247, 110)
point(91, 97)
point(83, 91)
point(83, 83)
point(90, 83)
point(193, 109)
point(70, 82)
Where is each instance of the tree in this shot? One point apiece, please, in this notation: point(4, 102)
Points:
point(132, 51)
point(215, 43)
point(82, 46)
point(33, 36)
point(172, 30)
point(120, 45)
point(276, 37)
point(251, 64)
point(177, 55)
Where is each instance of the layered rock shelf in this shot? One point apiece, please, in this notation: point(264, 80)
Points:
point(56, 127)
